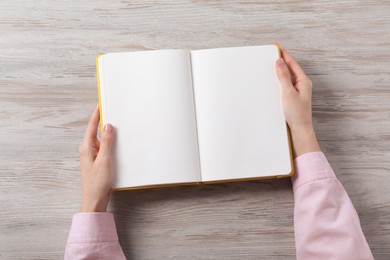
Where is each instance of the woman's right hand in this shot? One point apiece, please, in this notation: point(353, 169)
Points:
point(296, 90)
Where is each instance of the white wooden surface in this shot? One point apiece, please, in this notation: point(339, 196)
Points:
point(48, 90)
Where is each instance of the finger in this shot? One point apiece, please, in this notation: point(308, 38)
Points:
point(92, 128)
point(298, 75)
point(90, 145)
point(106, 142)
point(283, 74)
point(296, 70)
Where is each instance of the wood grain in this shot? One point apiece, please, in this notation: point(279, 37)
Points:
point(48, 90)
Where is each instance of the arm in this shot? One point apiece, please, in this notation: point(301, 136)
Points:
point(325, 221)
point(93, 233)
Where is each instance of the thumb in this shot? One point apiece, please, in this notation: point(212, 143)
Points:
point(283, 74)
point(106, 141)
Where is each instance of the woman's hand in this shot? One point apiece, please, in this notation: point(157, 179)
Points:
point(296, 90)
point(96, 166)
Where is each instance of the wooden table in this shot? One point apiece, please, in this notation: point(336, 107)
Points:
point(48, 91)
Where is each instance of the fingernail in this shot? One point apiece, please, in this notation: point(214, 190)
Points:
point(108, 128)
point(280, 62)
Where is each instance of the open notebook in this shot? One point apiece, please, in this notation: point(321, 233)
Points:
point(194, 116)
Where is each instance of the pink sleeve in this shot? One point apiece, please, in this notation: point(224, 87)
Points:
point(93, 236)
point(326, 223)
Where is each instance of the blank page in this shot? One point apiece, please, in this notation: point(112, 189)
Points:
point(242, 132)
point(148, 97)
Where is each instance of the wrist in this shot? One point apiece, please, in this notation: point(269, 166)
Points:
point(94, 205)
point(304, 140)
